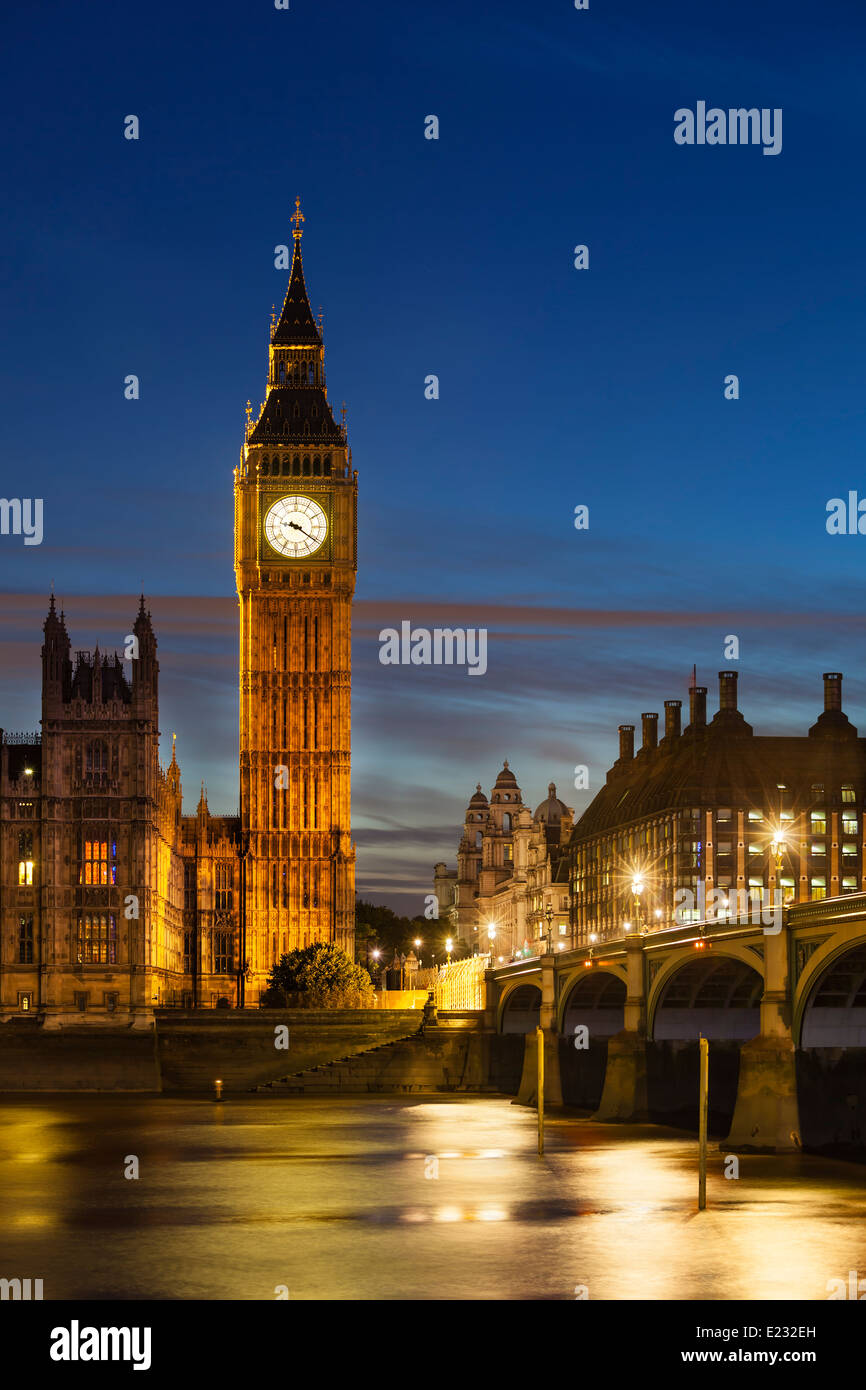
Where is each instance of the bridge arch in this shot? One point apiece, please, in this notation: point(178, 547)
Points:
point(519, 1007)
point(595, 997)
point(830, 1005)
point(716, 992)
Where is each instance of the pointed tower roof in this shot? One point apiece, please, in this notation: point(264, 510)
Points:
point(296, 409)
point(296, 326)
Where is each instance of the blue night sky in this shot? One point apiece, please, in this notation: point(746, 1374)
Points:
point(454, 257)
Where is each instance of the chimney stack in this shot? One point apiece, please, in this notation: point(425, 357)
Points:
point(832, 690)
point(728, 690)
point(672, 718)
point(698, 706)
point(649, 731)
point(626, 742)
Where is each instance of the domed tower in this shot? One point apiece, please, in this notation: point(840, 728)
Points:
point(506, 801)
point(474, 826)
point(554, 816)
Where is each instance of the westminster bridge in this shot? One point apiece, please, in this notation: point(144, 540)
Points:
point(784, 1011)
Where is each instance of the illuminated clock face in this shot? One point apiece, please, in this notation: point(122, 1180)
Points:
point(295, 527)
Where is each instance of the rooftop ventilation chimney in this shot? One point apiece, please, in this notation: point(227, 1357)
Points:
point(626, 742)
point(728, 690)
point(649, 731)
point(697, 706)
point(672, 718)
point(833, 723)
point(832, 690)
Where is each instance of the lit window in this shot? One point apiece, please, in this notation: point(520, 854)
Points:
point(819, 888)
point(819, 822)
point(849, 823)
point(96, 939)
point(99, 865)
point(849, 885)
point(848, 793)
point(818, 847)
point(756, 816)
point(25, 940)
point(25, 873)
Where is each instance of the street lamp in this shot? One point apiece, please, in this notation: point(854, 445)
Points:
point(418, 945)
point(549, 915)
point(491, 936)
point(778, 847)
point(637, 887)
point(448, 945)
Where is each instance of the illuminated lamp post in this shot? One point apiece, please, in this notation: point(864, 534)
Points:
point(778, 847)
point(491, 937)
point(448, 945)
point(637, 887)
point(549, 915)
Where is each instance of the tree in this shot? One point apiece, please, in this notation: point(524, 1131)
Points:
point(324, 977)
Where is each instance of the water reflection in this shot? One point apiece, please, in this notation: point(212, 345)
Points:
point(339, 1199)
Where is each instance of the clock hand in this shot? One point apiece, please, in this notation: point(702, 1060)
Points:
point(301, 529)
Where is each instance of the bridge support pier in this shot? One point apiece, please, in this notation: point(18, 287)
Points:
point(625, 1094)
point(766, 1115)
point(528, 1091)
point(624, 1097)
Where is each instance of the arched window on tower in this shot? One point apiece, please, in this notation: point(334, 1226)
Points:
point(307, 465)
point(286, 464)
point(317, 468)
point(296, 410)
point(296, 467)
point(282, 374)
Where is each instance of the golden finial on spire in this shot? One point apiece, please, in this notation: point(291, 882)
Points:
point(343, 412)
point(297, 217)
point(249, 419)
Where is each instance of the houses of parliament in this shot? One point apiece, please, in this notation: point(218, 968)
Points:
point(112, 901)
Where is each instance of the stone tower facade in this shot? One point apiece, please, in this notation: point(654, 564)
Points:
point(112, 902)
point(295, 562)
point(92, 885)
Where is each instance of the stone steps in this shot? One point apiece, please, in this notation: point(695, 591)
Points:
point(429, 1061)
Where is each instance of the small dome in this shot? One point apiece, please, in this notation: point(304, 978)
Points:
point(551, 811)
point(506, 777)
point(478, 798)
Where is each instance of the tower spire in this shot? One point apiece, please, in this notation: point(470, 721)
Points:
point(296, 326)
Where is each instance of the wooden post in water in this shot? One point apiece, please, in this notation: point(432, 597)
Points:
point(539, 1041)
point(703, 1105)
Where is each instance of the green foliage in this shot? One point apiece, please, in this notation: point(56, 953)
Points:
point(323, 976)
point(379, 926)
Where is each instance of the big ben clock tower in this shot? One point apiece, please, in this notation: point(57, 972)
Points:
point(295, 562)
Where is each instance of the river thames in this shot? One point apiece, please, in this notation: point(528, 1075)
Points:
point(388, 1198)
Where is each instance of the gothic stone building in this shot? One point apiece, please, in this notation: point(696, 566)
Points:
point(111, 900)
point(699, 809)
